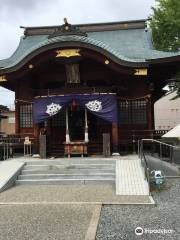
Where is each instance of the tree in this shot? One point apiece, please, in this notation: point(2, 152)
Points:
point(4, 108)
point(165, 25)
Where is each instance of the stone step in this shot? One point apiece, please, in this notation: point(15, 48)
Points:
point(67, 171)
point(61, 166)
point(73, 161)
point(67, 176)
point(64, 182)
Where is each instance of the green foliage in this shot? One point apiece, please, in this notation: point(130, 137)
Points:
point(165, 25)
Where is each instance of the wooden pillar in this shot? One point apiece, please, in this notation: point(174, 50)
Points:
point(115, 151)
point(17, 118)
point(36, 145)
point(150, 114)
point(106, 145)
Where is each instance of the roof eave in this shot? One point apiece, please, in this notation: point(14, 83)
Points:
point(164, 60)
point(42, 49)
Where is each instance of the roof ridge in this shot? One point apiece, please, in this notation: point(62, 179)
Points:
point(89, 24)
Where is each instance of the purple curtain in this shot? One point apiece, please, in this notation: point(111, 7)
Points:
point(101, 105)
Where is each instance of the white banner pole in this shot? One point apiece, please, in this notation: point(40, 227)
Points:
point(86, 128)
point(67, 127)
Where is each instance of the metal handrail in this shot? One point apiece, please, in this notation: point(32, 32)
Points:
point(142, 156)
point(144, 163)
point(162, 143)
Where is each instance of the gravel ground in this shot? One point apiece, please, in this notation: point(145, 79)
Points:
point(119, 222)
point(31, 222)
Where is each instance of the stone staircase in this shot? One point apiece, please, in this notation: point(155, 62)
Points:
point(67, 171)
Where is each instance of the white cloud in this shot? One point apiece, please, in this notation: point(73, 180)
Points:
point(14, 13)
point(6, 97)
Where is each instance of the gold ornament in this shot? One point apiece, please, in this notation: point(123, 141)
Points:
point(3, 78)
point(30, 66)
point(68, 53)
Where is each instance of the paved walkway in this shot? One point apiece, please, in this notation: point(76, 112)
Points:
point(130, 178)
point(92, 194)
point(80, 159)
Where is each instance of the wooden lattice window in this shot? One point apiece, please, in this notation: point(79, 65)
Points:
point(26, 120)
point(139, 113)
point(133, 111)
point(124, 112)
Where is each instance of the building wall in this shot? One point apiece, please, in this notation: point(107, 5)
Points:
point(167, 112)
point(7, 125)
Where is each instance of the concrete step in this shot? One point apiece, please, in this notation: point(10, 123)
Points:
point(65, 182)
point(66, 176)
point(67, 171)
point(77, 166)
point(73, 161)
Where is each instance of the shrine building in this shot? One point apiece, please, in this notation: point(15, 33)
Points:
point(86, 85)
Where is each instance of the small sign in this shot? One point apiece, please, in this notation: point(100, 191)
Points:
point(141, 72)
point(27, 141)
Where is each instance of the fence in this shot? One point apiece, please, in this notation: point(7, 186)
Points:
point(129, 138)
point(10, 143)
point(159, 149)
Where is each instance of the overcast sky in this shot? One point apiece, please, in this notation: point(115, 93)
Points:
point(15, 13)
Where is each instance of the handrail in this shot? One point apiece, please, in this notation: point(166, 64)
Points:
point(143, 159)
point(162, 143)
point(144, 164)
point(146, 172)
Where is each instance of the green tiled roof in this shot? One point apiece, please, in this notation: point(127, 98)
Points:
point(131, 45)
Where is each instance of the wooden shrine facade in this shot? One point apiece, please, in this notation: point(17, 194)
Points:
point(68, 61)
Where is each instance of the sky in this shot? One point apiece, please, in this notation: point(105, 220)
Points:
point(16, 13)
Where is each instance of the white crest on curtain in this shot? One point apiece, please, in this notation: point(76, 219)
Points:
point(53, 108)
point(94, 106)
